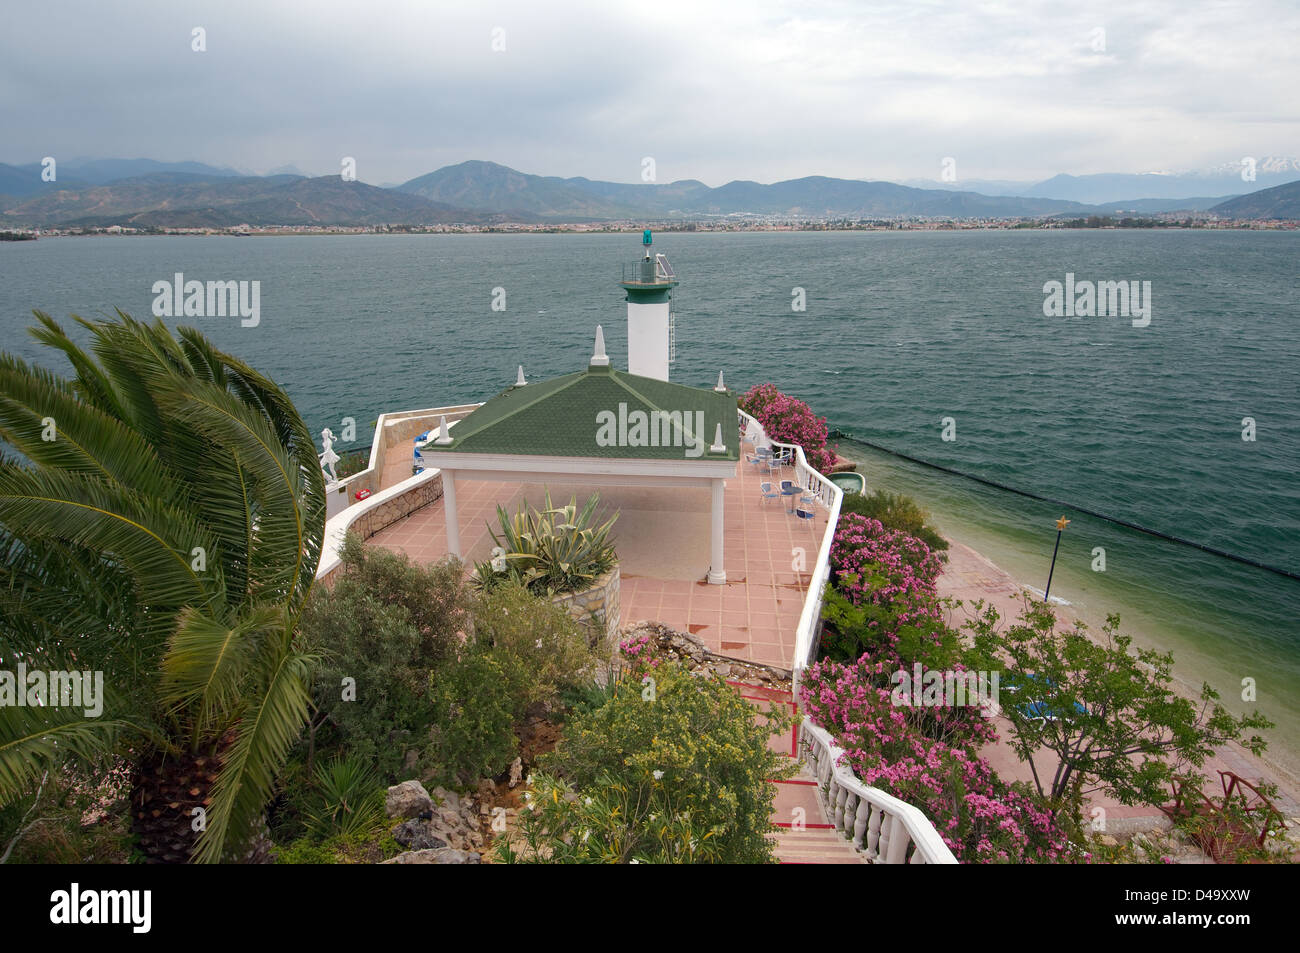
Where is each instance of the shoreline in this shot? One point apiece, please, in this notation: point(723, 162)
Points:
point(969, 575)
point(619, 228)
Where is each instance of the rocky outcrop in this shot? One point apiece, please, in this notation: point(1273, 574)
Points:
point(433, 822)
point(408, 799)
point(445, 855)
point(417, 834)
point(671, 644)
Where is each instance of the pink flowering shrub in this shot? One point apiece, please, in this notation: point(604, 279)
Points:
point(882, 612)
point(639, 652)
point(979, 817)
point(911, 566)
point(883, 600)
point(789, 420)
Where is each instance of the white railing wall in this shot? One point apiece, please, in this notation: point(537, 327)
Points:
point(379, 444)
point(829, 496)
point(337, 526)
point(885, 829)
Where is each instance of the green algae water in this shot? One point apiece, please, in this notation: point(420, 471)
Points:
point(901, 330)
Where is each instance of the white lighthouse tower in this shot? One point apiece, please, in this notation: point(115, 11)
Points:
point(649, 284)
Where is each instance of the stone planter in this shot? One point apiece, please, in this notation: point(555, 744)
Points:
point(597, 605)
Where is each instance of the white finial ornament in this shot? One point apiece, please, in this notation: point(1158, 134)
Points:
point(443, 436)
point(718, 446)
point(519, 381)
point(721, 388)
point(600, 358)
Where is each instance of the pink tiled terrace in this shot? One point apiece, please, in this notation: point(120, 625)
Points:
point(662, 537)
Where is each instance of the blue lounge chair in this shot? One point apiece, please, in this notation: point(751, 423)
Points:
point(1037, 710)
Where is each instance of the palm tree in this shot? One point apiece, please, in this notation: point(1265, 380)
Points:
point(163, 525)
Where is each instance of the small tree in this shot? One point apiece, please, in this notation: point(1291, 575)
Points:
point(1106, 712)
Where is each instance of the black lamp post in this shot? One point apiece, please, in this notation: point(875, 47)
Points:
point(1060, 528)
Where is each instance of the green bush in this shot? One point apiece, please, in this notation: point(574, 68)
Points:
point(610, 823)
point(550, 551)
point(385, 624)
point(524, 652)
point(667, 744)
point(474, 717)
point(442, 674)
point(542, 648)
point(368, 847)
point(304, 851)
point(895, 511)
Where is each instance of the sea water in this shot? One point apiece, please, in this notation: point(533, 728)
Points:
point(902, 338)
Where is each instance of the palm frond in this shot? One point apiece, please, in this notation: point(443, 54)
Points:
point(33, 740)
point(94, 386)
point(153, 539)
point(85, 439)
point(281, 564)
point(208, 662)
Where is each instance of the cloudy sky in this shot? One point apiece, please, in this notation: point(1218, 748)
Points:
point(716, 91)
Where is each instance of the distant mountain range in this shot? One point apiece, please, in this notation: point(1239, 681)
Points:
point(144, 193)
point(1279, 202)
point(20, 181)
point(1119, 189)
point(487, 185)
point(180, 200)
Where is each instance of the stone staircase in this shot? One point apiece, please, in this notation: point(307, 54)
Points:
point(809, 839)
point(804, 836)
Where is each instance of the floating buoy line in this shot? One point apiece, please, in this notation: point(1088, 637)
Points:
point(1128, 524)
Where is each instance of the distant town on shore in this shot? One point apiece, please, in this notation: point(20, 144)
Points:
point(756, 225)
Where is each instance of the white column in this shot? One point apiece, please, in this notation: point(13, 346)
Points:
point(449, 511)
point(717, 575)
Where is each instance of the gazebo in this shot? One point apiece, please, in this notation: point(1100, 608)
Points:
point(599, 426)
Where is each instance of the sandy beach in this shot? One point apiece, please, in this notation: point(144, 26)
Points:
point(970, 576)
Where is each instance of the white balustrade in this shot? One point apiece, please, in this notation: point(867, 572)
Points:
point(830, 497)
point(887, 830)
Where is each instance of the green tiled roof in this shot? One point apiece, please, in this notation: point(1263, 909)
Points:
point(559, 417)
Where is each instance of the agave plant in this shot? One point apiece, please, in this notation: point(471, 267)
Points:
point(163, 526)
point(549, 551)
